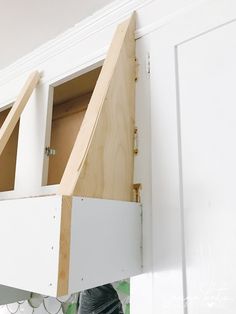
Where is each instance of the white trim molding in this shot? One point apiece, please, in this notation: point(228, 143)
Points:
point(107, 17)
point(103, 21)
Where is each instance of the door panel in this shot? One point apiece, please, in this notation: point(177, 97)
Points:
point(207, 107)
point(193, 113)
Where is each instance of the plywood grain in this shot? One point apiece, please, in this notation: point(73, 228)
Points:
point(66, 121)
point(64, 254)
point(8, 157)
point(16, 110)
point(101, 163)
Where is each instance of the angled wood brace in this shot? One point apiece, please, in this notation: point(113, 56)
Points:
point(17, 109)
point(101, 162)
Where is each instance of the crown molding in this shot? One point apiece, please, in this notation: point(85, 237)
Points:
point(108, 16)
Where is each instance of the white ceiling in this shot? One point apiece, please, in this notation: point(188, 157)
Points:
point(26, 24)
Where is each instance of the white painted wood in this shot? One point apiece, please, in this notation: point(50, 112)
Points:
point(192, 73)
point(32, 192)
point(105, 242)
point(85, 35)
point(208, 126)
point(167, 229)
point(104, 18)
point(32, 134)
point(10, 295)
point(141, 286)
point(29, 239)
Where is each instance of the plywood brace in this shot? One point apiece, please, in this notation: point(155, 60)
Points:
point(64, 253)
point(101, 162)
point(17, 109)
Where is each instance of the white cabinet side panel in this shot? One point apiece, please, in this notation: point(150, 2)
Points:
point(29, 243)
point(32, 143)
point(207, 73)
point(105, 242)
point(141, 286)
point(168, 284)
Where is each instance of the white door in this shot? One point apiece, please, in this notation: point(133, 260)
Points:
point(193, 68)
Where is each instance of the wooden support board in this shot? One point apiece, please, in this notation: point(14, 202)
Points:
point(8, 157)
point(101, 162)
point(17, 109)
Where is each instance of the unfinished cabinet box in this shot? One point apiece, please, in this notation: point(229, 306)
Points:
point(88, 232)
point(70, 103)
point(8, 157)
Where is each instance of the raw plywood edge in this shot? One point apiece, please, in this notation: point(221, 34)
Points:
point(17, 109)
point(64, 255)
point(105, 126)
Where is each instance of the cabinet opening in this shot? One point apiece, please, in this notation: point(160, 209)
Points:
point(70, 102)
point(8, 157)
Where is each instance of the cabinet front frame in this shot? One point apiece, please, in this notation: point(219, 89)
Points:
point(166, 145)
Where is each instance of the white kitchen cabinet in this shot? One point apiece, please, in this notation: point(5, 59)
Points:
point(79, 225)
point(104, 244)
point(193, 107)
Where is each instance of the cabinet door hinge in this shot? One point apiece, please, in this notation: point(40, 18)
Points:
point(148, 63)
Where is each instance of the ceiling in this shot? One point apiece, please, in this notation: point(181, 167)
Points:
point(26, 24)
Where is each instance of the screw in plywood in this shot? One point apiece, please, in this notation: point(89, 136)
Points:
point(136, 69)
point(135, 140)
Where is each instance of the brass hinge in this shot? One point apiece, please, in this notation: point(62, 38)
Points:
point(137, 195)
point(148, 63)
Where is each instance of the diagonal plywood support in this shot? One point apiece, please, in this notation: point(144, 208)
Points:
point(17, 109)
point(101, 162)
